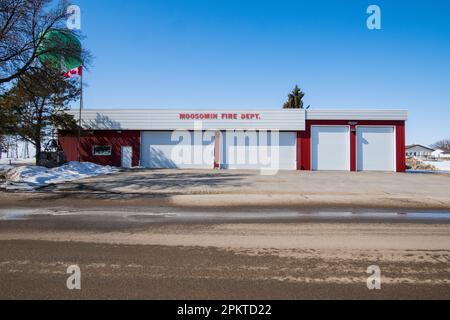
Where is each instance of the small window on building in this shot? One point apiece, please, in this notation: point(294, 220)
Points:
point(102, 151)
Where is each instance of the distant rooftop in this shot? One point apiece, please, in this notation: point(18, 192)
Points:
point(419, 145)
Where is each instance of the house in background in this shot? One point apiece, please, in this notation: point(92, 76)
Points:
point(417, 150)
point(440, 154)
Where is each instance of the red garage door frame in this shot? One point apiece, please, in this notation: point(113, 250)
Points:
point(304, 141)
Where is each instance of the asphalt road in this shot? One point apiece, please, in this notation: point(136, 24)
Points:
point(131, 253)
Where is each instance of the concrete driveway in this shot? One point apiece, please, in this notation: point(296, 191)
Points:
point(203, 188)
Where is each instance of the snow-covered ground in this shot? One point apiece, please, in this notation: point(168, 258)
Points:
point(32, 177)
point(7, 161)
point(440, 165)
point(17, 152)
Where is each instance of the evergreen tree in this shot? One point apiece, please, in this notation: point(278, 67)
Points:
point(295, 99)
point(36, 104)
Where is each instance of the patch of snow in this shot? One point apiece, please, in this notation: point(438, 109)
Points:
point(440, 165)
point(30, 161)
point(426, 172)
point(28, 178)
point(18, 186)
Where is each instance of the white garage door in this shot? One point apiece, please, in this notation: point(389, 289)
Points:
point(177, 149)
point(330, 148)
point(375, 148)
point(259, 150)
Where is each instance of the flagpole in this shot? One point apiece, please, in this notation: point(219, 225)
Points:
point(79, 118)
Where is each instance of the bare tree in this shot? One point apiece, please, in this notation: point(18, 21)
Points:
point(443, 145)
point(24, 28)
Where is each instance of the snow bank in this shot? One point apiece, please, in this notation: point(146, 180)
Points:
point(4, 168)
point(30, 177)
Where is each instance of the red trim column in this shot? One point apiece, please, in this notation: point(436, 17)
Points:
point(304, 149)
point(217, 150)
point(299, 150)
point(353, 147)
point(401, 147)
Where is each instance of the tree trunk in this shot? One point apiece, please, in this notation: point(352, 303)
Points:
point(37, 143)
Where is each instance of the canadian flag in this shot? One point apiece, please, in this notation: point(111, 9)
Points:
point(74, 72)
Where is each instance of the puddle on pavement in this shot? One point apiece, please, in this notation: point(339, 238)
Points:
point(293, 216)
point(380, 215)
point(15, 215)
point(223, 216)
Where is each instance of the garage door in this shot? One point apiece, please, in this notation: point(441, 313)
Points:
point(178, 149)
point(375, 148)
point(259, 150)
point(330, 148)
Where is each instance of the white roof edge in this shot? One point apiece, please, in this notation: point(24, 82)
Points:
point(386, 113)
point(357, 114)
point(244, 109)
point(185, 109)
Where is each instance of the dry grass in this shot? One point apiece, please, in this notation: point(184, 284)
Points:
point(416, 164)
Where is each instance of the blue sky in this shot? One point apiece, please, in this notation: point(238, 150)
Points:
point(250, 54)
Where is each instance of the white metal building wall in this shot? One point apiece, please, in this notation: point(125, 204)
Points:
point(177, 150)
point(170, 119)
point(330, 148)
point(375, 148)
point(259, 150)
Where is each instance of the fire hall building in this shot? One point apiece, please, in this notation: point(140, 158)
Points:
point(317, 140)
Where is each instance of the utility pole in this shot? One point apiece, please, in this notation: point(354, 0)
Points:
point(79, 120)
